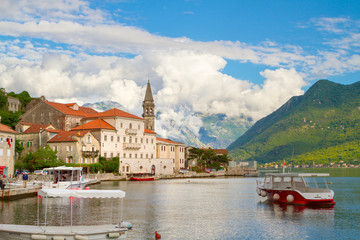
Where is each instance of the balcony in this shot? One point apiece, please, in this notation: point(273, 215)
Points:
point(92, 154)
point(131, 131)
point(134, 146)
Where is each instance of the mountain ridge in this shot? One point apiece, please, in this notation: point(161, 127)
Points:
point(324, 117)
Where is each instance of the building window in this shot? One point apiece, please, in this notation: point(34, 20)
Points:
point(129, 155)
point(139, 126)
point(89, 139)
point(111, 155)
point(147, 155)
point(127, 168)
point(118, 139)
point(105, 155)
point(147, 140)
point(123, 168)
point(124, 155)
point(141, 140)
point(152, 155)
point(124, 139)
point(135, 140)
point(130, 125)
point(130, 140)
point(135, 155)
point(105, 138)
point(112, 138)
point(141, 155)
point(121, 125)
point(152, 141)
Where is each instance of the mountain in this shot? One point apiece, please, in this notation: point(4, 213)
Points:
point(321, 126)
point(105, 105)
point(218, 130)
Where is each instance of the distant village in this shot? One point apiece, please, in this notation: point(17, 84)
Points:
point(80, 135)
point(340, 164)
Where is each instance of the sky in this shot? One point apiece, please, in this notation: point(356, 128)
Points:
point(232, 57)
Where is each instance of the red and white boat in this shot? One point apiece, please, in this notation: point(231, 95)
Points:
point(291, 188)
point(141, 177)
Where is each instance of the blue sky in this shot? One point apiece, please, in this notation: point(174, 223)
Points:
point(238, 58)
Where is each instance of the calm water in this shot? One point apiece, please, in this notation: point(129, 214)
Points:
point(221, 208)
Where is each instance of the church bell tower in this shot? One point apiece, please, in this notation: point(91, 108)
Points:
point(149, 109)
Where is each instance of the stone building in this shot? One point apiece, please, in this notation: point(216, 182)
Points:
point(168, 149)
point(76, 146)
point(7, 150)
point(32, 135)
point(14, 104)
point(61, 116)
point(149, 109)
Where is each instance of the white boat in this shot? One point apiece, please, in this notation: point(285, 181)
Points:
point(72, 232)
point(64, 178)
point(291, 188)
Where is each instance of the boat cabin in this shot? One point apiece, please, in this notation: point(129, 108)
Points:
point(286, 181)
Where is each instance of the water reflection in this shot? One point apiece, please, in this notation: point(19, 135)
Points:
point(226, 208)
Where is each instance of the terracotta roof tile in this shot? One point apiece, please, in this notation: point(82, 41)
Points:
point(218, 151)
point(67, 136)
point(96, 124)
point(65, 108)
point(35, 128)
point(117, 113)
point(149, 131)
point(4, 128)
point(167, 140)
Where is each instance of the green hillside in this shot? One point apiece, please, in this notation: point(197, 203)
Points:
point(321, 126)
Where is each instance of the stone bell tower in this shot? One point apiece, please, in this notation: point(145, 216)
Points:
point(149, 109)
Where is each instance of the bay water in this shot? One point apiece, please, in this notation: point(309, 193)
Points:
point(206, 208)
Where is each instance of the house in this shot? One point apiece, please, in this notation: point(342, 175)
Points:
point(76, 146)
point(14, 104)
point(32, 135)
point(61, 116)
point(7, 150)
point(168, 149)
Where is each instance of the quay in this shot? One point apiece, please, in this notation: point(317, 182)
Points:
point(17, 193)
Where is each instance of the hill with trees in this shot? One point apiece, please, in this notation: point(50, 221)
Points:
point(321, 126)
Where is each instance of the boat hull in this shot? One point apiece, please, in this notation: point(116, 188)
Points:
point(21, 232)
point(298, 198)
point(141, 179)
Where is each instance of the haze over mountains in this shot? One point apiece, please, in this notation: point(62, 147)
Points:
point(217, 131)
point(321, 126)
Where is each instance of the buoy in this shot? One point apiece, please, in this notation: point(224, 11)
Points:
point(157, 235)
point(263, 193)
point(87, 188)
point(78, 188)
point(276, 196)
point(189, 180)
point(290, 198)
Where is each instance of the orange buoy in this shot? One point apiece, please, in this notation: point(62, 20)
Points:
point(157, 235)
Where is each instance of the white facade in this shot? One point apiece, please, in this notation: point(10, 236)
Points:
point(7, 150)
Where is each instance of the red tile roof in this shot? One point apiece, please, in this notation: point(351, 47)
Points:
point(218, 151)
point(96, 124)
point(149, 131)
point(4, 128)
point(35, 128)
point(117, 113)
point(67, 136)
point(167, 140)
point(65, 108)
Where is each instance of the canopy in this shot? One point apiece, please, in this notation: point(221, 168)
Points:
point(298, 174)
point(81, 193)
point(63, 168)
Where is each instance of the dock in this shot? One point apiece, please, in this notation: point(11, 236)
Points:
point(17, 193)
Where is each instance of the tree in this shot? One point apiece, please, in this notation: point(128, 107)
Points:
point(3, 99)
point(110, 165)
point(208, 158)
point(42, 158)
point(18, 147)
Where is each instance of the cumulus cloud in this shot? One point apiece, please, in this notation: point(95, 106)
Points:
point(69, 52)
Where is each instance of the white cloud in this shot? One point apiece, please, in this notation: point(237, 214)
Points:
point(56, 53)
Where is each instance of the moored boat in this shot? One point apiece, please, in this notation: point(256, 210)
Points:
point(69, 232)
point(141, 177)
point(291, 188)
point(64, 178)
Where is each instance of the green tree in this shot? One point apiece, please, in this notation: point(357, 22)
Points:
point(18, 147)
point(3, 98)
point(42, 158)
point(110, 165)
